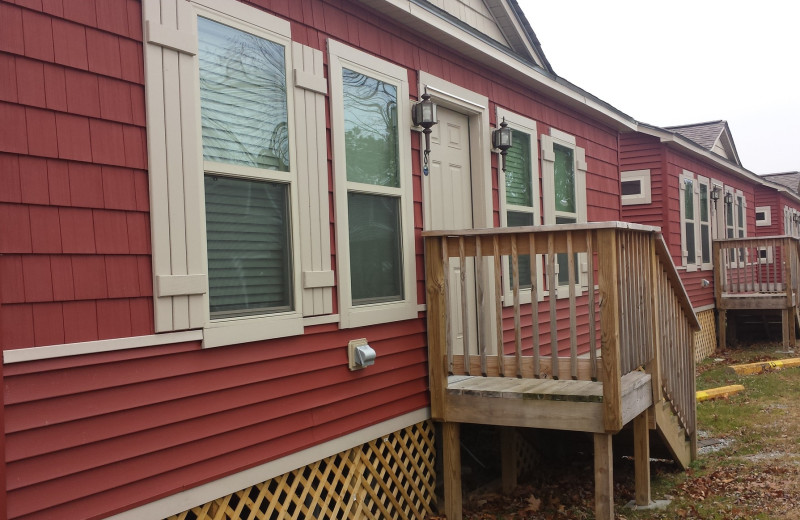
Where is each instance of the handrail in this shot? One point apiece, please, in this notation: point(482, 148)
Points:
point(766, 265)
point(622, 283)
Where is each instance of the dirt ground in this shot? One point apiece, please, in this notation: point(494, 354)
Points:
point(748, 466)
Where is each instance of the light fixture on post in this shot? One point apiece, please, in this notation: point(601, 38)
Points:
point(729, 198)
point(501, 140)
point(715, 193)
point(424, 114)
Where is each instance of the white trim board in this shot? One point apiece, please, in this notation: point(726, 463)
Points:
point(199, 495)
point(93, 347)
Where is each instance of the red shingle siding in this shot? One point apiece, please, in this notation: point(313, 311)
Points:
point(71, 153)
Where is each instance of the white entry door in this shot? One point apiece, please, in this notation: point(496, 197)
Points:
point(448, 205)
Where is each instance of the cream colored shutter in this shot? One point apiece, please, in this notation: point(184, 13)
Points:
point(175, 166)
point(312, 180)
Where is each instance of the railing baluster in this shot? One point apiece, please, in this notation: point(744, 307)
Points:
point(535, 267)
point(481, 304)
point(592, 322)
point(448, 325)
point(573, 325)
point(552, 286)
point(517, 323)
point(498, 306)
point(462, 259)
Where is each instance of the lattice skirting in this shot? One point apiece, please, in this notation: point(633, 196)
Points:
point(705, 339)
point(391, 477)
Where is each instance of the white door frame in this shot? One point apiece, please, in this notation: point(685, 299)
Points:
point(476, 107)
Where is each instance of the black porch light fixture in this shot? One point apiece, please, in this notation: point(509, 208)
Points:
point(424, 114)
point(501, 140)
point(729, 198)
point(715, 193)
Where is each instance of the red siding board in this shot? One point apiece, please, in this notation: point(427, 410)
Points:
point(13, 131)
point(77, 230)
point(111, 232)
point(33, 180)
point(142, 314)
point(9, 178)
point(30, 82)
point(45, 229)
point(73, 137)
point(112, 16)
point(48, 324)
point(135, 147)
point(137, 105)
point(80, 321)
point(8, 78)
point(38, 35)
point(145, 269)
point(89, 275)
point(104, 55)
point(138, 233)
point(81, 11)
point(134, 19)
point(16, 326)
point(115, 100)
point(63, 284)
point(37, 278)
point(83, 93)
point(141, 187)
point(108, 144)
point(86, 185)
point(70, 44)
point(55, 7)
point(122, 276)
point(11, 274)
point(41, 126)
point(113, 319)
point(55, 87)
point(131, 56)
point(118, 188)
point(15, 228)
point(58, 182)
point(11, 37)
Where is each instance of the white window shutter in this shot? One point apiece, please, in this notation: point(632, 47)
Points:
point(312, 180)
point(175, 164)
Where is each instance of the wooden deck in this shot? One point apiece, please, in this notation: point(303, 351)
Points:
point(607, 342)
point(759, 273)
point(542, 403)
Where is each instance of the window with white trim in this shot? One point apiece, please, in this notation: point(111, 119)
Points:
point(791, 221)
point(372, 179)
point(223, 126)
point(763, 216)
point(704, 221)
point(635, 187)
point(564, 196)
point(689, 195)
point(519, 196)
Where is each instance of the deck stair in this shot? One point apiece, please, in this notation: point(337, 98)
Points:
point(607, 341)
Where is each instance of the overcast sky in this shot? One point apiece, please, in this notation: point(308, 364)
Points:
point(686, 61)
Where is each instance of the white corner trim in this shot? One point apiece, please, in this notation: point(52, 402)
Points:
point(190, 498)
point(104, 345)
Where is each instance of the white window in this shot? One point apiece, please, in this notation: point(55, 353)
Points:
point(372, 179)
point(223, 134)
point(704, 222)
point(635, 186)
point(791, 222)
point(689, 196)
point(519, 196)
point(763, 216)
point(564, 195)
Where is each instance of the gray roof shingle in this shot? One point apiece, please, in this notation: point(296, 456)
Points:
point(789, 179)
point(704, 134)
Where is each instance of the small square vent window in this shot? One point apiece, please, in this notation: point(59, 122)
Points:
point(635, 187)
point(763, 216)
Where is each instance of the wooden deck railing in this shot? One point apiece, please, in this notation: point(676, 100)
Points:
point(623, 295)
point(757, 266)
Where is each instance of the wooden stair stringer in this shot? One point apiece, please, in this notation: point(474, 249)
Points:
point(673, 435)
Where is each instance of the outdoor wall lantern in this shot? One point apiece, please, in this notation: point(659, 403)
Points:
point(715, 193)
point(729, 198)
point(796, 218)
point(501, 140)
point(424, 114)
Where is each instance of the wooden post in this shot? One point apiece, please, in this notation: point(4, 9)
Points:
point(437, 330)
point(722, 325)
point(721, 317)
point(609, 329)
point(451, 451)
point(508, 448)
point(641, 458)
point(603, 477)
point(654, 367)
